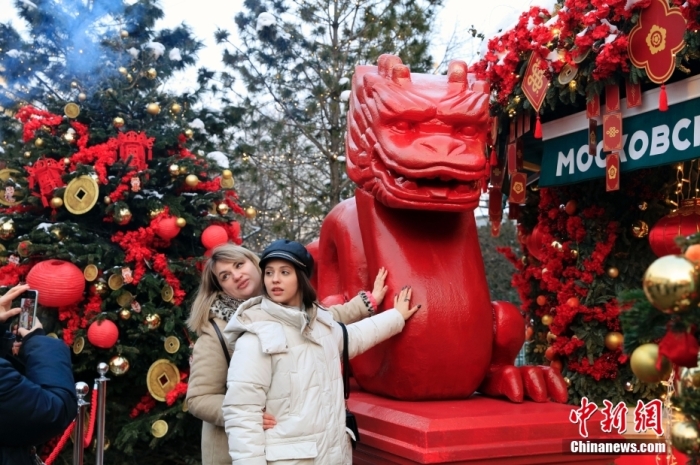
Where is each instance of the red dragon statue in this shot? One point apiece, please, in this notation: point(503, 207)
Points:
point(415, 147)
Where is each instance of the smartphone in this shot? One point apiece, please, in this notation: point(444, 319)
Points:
point(28, 301)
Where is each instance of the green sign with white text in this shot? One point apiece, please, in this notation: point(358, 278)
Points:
point(649, 139)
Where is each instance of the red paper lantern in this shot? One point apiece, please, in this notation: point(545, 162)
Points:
point(683, 222)
point(214, 235)
point(167, 228)
point(535, 242)
point(103, 334)
point(59, 283)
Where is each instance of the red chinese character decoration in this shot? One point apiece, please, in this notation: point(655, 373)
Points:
point(135, 149)
point(614, 417)
point(582, 414)
point(46, 174)
point(648, 416)
point(654, 42)
point(535, 85)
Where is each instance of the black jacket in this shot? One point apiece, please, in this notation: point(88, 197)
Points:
point(38, 403)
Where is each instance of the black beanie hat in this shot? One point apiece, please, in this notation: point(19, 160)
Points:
point(291, 251)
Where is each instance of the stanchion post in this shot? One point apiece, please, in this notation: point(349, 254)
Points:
point(101, 383)
point(81, 390)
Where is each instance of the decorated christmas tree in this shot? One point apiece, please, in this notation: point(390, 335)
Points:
point(111, 193)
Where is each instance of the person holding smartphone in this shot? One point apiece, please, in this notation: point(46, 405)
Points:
point(37, 389)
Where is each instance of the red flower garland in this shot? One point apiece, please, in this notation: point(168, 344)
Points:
point(145, 405)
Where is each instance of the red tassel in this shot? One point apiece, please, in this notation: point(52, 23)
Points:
point(663, 99)
point(538, 128)
point(494, 158)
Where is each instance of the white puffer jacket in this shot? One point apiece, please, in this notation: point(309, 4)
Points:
point(287, 362)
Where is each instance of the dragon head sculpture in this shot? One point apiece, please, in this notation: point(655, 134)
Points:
point(417, 141)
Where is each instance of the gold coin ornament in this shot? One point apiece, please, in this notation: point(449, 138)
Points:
point(116, 281)
point(125, 298)
point(172, 344)
point(90, 272)
point(162, 377)
point(567, 74)
point(671, 284)
point(71, 110)
point(159, 428)
point(10, 195)
point(643, 364)
point(167, 293)
point(81, 195)
point(78, 345)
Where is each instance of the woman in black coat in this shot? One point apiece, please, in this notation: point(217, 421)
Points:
point(37, 390)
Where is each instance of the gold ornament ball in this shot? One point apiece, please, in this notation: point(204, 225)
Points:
point(107, 200)
point(643, 364)
point(58, 234)
point(189, 133)
point(56, 202)
point(153, 108)
point(118, 365)
point(125, 314)
point(74, 84)
point(557, 246)
point(227, 174)
point(100, 288)
point(191, 180)
point(39, 142)
point(640, 229)
point(155, 212)
point(124, 33)
point(152, 321)
point(670, 284)
point(82, 96)
point(66, 161)
point(568, 382)
point(574, 253)
point(123, 216)
point(613, 272)
point(547, 320)
point(222, 208)
point(7, 230)
point(643, 206)
point(614, 340)
point(151, 73)
point(629, 386)
point(686, 437)
point(176, 108)
point(118, 122)
point(69, 137)
point(27, 154)
point(183, 170)
point(572, 85)
point(174, 170)
point(251, 213)
point(123, 70)
point(181, 222)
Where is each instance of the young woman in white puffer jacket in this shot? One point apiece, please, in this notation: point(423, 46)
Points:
point(287, 362)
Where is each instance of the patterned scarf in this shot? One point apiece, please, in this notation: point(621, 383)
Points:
point(225, 306)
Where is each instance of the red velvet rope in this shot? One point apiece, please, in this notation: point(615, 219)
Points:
point(66, 434)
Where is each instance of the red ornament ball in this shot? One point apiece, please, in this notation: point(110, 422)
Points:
point(59, 283)
point(535, 243)
point(103, 334)
point(167, 228)
point(683, 222)
point(214, 235)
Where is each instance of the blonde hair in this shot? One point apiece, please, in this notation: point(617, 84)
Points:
point(209, 285)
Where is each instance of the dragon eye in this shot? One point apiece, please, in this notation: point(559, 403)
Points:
point(401, 126)
point(469, 131)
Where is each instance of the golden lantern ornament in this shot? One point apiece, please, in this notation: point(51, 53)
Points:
point(176, 108)
point(125, 314)
point(640, 229)
point(7, 230)
point(181, 222)
point(613, 272)
point(222, 208)
point(38, 142)
point(643, 364)
point(614, 340)
point(151, 73)
point(118, 122)
point(251, 213)
point(191, 180)
point(152, 321)
point(56, 202)
point(671, 284)
point(118, 365)
point(153, 108)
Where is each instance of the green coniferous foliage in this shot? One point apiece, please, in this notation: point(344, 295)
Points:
point(105, 59)
point(292, 66)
